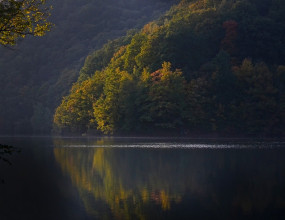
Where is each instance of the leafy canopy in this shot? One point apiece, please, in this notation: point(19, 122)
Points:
point(19, 18)
point(227, 76)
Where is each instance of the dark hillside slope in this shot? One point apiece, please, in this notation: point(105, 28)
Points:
point(38, 72)
point(205, 67)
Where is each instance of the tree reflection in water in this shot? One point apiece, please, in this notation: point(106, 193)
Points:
point(127, 183)
point(5, 152)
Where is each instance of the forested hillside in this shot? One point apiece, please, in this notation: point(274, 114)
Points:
point(206, 66)
point(36, 73)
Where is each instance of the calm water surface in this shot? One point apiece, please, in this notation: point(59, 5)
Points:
point(131, 178)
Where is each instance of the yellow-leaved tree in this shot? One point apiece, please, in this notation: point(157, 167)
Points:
point(19, 18)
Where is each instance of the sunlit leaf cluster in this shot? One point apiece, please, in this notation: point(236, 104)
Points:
point(19, 18)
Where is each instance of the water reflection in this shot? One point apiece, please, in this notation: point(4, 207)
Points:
point(5, 153)
point(130, 183)
point(34, 186)
point(7, 150)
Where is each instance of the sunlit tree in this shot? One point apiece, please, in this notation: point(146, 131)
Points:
point(113, 106)
point(19, 18)
point(76, 110)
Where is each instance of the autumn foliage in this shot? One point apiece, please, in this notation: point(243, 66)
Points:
point(177, 76)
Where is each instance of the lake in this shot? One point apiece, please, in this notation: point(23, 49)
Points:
point(142, 178)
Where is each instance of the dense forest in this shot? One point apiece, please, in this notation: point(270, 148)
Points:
point(37, 72)
point(204, 67)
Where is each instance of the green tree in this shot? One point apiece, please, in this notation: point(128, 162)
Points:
point(224, 91)
point(198, 105)
point(110, 110)
point(76, 110)
point(19, 18)
point(257, 106)
point(166, 98)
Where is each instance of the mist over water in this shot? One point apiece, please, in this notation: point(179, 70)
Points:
point(122, 178)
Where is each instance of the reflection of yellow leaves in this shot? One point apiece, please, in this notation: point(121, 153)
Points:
point(145, 195)
point(100, 141)
point(94, 174)
point(165, 201)
point(98, 162)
